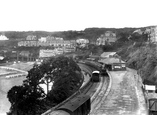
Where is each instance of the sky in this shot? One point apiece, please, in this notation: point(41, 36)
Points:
point(64, 15)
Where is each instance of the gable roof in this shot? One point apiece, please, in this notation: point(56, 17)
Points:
point(107, 54)
point(111, 60)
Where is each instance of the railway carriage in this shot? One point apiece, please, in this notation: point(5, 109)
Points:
point(80, 105)
point(103, 71)
point(95, 76)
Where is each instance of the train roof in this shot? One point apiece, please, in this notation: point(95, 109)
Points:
point(74, 103)
point(95, 72)
point(59, 112)
point(111, 60)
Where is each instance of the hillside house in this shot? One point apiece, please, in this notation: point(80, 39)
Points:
point(82, 42)
point(31, 38)
point(152, 34)
point(107, 38)
point(139, 31)
point(29, 41)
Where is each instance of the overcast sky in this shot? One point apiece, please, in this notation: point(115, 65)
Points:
point(63, 15)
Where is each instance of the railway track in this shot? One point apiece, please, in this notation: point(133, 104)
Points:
point(95, 89)
point(89, 88)
point(103, 86)
point(92, 88)
point(103, 92)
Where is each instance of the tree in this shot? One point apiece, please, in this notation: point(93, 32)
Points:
point(65, 85)
point(123, 37)
point(25, 99)
point(14, 96)
point(28, 97)
point(67, 78)
point(31, 99)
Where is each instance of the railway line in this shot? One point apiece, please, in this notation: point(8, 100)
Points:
point(122, 99)
point(113, 94)
point(117, 95)
point(90, 89)
point(102, 93)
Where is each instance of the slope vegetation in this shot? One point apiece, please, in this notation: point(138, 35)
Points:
point(143, 58)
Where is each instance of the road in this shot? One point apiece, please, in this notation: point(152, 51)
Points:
point(6, 84)
point(125, 96)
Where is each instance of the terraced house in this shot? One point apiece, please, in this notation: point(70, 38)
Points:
point(33, 41)
point(46, 46)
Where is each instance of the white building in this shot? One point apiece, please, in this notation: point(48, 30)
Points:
point(107, 38)
point(139, 31)
point(1, 57)
point(3, 37)
point(101, 40)
point(152, 34)
point(47, 53)
point(42, 39)
point(59, 50)
point(82, 42)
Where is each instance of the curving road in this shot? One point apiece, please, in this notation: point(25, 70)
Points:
point(6, 84)
point(125, 96)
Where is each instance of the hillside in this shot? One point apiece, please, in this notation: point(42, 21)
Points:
point(132, 47)
point(88, 33)
point(143, 58)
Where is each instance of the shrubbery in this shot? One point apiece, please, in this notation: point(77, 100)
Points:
point(143, 58)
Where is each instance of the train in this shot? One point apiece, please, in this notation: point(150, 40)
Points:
point(80, 105)
point(92, 64)
point(97, 65)
point(95, 76)
point(103, 70)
